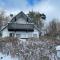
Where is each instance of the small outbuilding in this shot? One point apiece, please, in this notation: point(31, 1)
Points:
point(58, 51)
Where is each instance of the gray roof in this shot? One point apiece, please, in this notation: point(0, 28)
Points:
point(21, 14)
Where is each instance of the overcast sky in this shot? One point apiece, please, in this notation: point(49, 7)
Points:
point(50, 7)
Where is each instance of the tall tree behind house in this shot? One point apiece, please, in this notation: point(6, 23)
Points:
point(3, 19)
point(37, 18)
point(52, 28)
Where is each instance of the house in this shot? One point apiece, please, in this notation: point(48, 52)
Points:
point(20, 26)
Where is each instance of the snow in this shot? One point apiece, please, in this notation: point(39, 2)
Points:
point(5, 57)
point(58, 47)
point(58, 50)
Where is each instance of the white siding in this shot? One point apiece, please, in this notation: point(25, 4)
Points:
point(24, 34)
point(36, 32)
point(28, 34)
point(5, 33)
point(21, 21)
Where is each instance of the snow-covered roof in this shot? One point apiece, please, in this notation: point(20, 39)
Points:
point(58, 47)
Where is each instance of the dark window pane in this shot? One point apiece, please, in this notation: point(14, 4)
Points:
point(11, 34)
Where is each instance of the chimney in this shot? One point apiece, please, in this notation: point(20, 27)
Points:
point(11, 15)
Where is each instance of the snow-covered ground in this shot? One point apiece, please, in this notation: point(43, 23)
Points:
point(5, 57)
point(58, 50)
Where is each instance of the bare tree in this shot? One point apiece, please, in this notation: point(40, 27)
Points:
point(52, 29)
point(37, 18)
point(3, 18)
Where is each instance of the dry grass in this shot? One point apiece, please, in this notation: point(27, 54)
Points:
point(31, 48)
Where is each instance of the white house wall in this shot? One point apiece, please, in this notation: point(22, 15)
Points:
point(28, 34)
point(36, 32)
point(24, 34)
point(21, 21)
point(5, 33)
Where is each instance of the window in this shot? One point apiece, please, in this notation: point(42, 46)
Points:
point(11, 34)
point(17, 35)
point(35, 35)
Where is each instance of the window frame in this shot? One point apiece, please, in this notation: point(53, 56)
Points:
point(11, 34)
point(35, 35)
point(18, 35)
